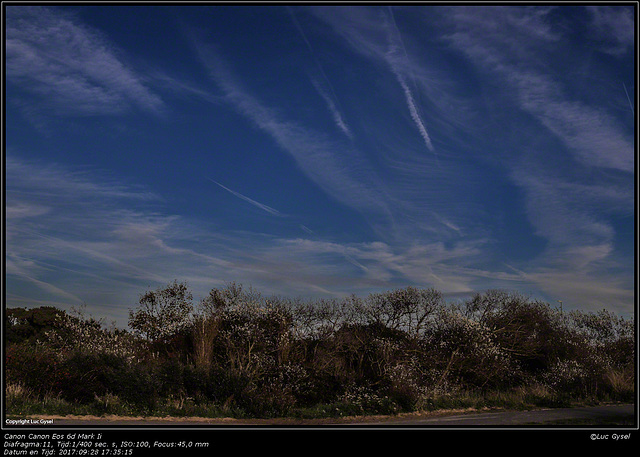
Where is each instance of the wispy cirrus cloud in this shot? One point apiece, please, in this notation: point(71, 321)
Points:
point(322, 84)
point(497, 41)
point(583, 284)
point(358, 267)
point(53, 180)
point(399, 202)
point(337, 167)
point(23, 269)
point(65, 68)
point(70, 236)
point(572, 187)
point(446, 138)
point(374, 33)
point(398, 190)
point(615, 26)
point(590, 133)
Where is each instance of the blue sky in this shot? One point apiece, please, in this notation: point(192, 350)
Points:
point(319, 151)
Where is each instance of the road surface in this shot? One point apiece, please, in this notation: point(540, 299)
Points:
point(607, 415)
point(595, 414)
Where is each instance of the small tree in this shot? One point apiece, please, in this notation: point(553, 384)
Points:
point(406, 309)
point(162, 313)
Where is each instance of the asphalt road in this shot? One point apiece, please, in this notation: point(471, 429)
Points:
point(604, 414)
point(598, 414)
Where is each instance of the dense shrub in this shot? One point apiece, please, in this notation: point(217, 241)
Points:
point(37, 367)
point(246, 354)
point(29, 325)
point(78, 333)
point(468, 352)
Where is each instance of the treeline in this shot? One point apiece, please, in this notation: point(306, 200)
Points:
point(239, 353)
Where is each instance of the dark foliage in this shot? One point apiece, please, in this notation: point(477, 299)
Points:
point(268, 356)
point(29, 325)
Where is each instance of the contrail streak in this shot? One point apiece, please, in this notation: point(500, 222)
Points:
point(266, 208)
point(414, 112)
point(628, 99)
point(396, 44)
point(337, 117)
point(331, 101)
point(404, 49)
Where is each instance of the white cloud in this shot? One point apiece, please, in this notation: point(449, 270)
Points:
point(381, 265)
point(590, 133)
point(76, 235)
point(414, 113)
point(584, 289)
point(565, 199)
point(69, 298)
point(572, 187)
point(21, 210)
point(557, 215)
point(580, 263)
point(615, 26)
point(513, 44)
point(67, 68)
point(52, 180)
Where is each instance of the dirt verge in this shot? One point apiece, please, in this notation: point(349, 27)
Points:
point(284, 422)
